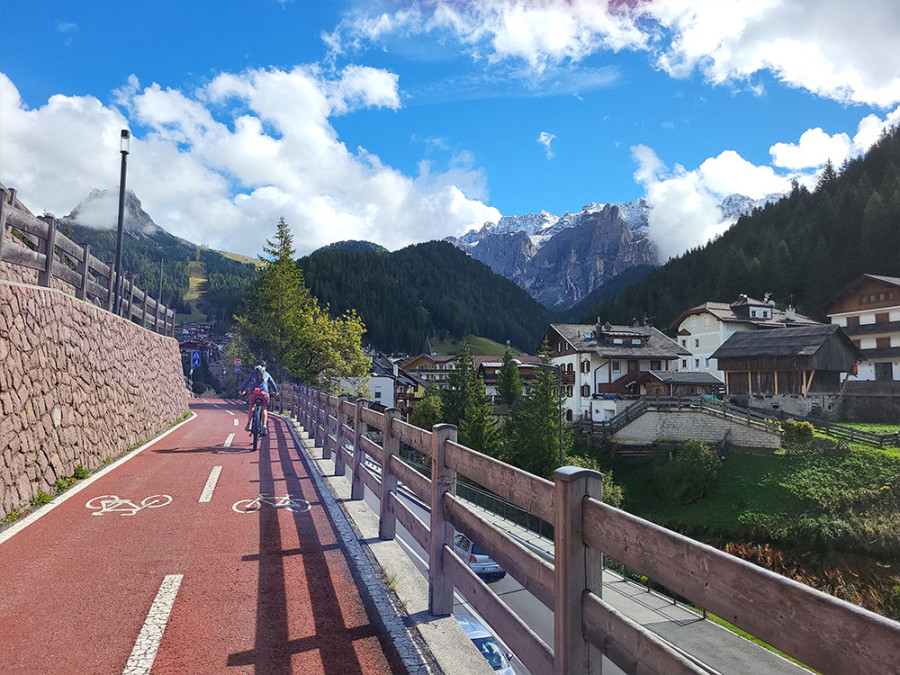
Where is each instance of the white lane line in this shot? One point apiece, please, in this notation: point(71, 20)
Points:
point(206, 495)
point(236, 420)
point(229, 412)
point(144, 653)
point(227, 443)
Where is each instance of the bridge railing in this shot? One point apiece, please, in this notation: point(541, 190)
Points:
point(824, 632)
point(35, 243)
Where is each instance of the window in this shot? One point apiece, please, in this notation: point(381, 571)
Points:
point(618, 341)
point(616, 366)
point(858, 344)
point(884, 371)
point(882, 342)
point(883, 317)
point(684, 343)
point(636, 341)
point(706, 320)
point(684, 363)
point(753, 313)
point(569, 391)
point(696, 342)
point(570, 367)
point(696, 363)
point(656, 365)
point(707, 363)
point(852, 321)
point(585, 366)
point(377, 392)
point(585, 390)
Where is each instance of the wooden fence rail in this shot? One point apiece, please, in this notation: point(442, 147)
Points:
point(824, 632)
point(36, 243)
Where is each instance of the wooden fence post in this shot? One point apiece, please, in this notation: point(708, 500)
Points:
point(4, 212)
point(84, 269)
point(339, 454)
point(443, 479)
point(387, 522)
point(357, 487)
point(46, 274)
point(577, 569)
point(326, 451)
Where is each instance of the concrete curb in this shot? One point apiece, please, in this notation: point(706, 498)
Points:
point(427, 644)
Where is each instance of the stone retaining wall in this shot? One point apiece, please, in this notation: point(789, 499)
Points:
point(78, 386)
point(684, 425)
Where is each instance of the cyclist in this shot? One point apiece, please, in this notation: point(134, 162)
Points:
point(259, 382)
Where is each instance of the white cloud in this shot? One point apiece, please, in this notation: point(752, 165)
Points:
point(546, 139)
point(833, 48)
point(223, 178)
point(685, 212)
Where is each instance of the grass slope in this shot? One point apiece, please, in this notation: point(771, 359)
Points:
point(481, 346)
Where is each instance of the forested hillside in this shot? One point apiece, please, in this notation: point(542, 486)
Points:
point(430, 290)
point(229, 280)
point(803, 249)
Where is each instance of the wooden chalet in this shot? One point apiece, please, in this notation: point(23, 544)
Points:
point(681, 383)
point(802, 360)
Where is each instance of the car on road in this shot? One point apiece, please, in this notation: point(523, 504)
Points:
point(487, 644)
point(479, 561)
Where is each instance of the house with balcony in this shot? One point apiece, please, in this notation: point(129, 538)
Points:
point(434, 369)
point(488, 369)
point(704, 328)
point(869, 312)
point(602, 366)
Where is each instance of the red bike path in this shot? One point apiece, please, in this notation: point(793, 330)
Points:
point(269, 591)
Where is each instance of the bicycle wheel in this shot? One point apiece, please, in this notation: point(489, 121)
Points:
point(257, 425)
point(246, 506)
point(155, 501)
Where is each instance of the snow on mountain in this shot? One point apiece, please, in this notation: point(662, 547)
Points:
point(541, 227)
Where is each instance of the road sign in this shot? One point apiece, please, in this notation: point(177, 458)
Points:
point(195, 358)
point(237, 363)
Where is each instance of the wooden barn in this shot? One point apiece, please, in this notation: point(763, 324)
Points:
point(802, 360)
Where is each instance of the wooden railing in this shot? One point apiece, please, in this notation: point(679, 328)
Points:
point(824, 632)
point(37, 244)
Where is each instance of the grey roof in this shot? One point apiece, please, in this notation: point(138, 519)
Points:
point(685, 377)
point(724, 311)
point(799, 341)
point(657, 346)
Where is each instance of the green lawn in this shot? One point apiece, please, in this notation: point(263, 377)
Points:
point(477, 345)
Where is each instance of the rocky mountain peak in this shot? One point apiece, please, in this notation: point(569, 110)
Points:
point(100, 211)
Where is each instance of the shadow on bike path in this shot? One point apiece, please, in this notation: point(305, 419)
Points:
point(343, 632)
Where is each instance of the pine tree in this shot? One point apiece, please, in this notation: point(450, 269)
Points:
point(460, 385)
point(533, 430)
point(284, 323)
point(509, 381)
point(478, 427)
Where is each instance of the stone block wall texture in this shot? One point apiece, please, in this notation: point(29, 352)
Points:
point(77, 386)
point(687, 425)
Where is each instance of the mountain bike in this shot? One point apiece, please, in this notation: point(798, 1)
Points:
point(256, 423)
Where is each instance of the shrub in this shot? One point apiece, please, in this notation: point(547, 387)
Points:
point(613, 493)
point(796, 433)
point(686, 477)
point(81, 472)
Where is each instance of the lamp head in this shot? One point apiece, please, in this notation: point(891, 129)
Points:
point(125, 141)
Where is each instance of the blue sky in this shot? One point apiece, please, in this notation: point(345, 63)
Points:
point(400, 122)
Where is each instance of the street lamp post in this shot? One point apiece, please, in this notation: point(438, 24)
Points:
point(125, 143)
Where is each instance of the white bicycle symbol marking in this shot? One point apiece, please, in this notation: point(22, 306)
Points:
point(285, 502)
point(125, 507)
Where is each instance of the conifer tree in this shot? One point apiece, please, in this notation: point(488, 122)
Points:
point(509, 381)
point(533, 430)
point(283, 323)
